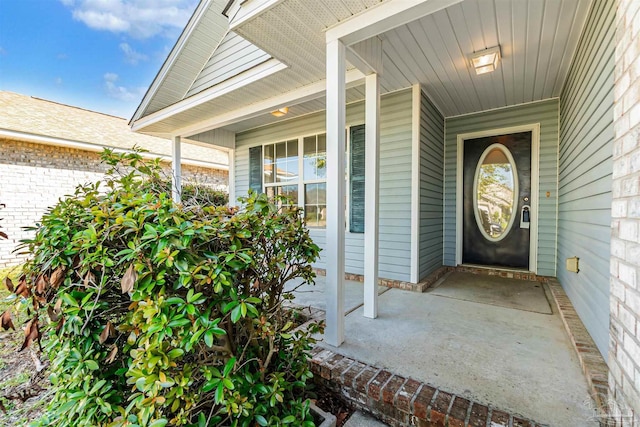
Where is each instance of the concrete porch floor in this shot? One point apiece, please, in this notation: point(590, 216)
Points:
point(513, 360)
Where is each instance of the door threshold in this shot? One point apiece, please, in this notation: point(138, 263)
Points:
point(496, 268)
point(509, 273)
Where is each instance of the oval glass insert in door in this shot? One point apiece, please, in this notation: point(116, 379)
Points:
point(495, 192)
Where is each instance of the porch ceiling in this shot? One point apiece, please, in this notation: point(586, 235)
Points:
point(538, 39)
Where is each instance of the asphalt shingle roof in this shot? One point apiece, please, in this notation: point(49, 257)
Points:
point(35, 116)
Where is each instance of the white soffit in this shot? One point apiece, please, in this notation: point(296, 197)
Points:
point(538, 39)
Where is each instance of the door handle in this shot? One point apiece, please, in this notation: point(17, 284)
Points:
point(525, 216)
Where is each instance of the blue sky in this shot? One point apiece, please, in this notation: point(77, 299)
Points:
point(101, 55)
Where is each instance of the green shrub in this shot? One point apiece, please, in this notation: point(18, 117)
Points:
point(156, 315)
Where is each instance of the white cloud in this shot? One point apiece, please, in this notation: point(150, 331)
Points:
point(121, 93)
point(138, 18)
point(62, 56)
point(2, 51)
point(130, 55)
point(59, 81)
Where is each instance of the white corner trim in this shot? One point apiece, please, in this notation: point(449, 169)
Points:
point(416, 105)
point(534, 128)
point(96, 148)
point(383, 17)
point(245, 78)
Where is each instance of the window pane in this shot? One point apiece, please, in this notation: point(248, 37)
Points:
point(292, 149)
point(309, 158)
point(310, 145)
point(315, 204)
point(322, 143)
point(289, 191)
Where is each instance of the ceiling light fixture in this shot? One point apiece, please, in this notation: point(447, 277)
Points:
point(485, 61)
point(280, 112)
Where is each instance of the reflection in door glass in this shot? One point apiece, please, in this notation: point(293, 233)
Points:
point(495, 193)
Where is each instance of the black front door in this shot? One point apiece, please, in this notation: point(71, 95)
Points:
point(497, 200)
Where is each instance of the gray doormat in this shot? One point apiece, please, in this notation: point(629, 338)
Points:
point(510, 293)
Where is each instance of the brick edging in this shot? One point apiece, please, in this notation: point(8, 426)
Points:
point(400, 401)
point(593, 365)
point(397, 284)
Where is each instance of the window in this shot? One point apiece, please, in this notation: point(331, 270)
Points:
point(315, 180)
point(280, 170)
point(297, 168)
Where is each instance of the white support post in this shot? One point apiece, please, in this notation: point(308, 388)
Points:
point(232, 177)
point(372, 161)
point(176, 170)
point(334, 252)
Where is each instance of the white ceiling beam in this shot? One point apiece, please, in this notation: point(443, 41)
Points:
point(367, 56)
point(382, 18)
point(306, 93)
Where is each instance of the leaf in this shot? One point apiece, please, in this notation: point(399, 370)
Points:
point(129, 279)
point(176, 352)
point(8, 283)
point(261, 420)
point(112, 354)
point(92, 364)
point(31, 332)
point(228, 367)
point(159, 423)
point(53, 314)
point(208, 338)
point(57, 277)
point(106, 332)
point(5, 321)
point(41, 284)
point(236, 313)
point(288, 419)
point(22, 289)
point(89, 279)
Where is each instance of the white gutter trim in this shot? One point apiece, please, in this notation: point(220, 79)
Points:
point(296, 96)
point(254, 74)
point(173, 55)
point(88, 146)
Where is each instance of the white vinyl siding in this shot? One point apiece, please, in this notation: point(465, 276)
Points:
point(585, 166)
point(431, 187)
point(233, 56)
point(545, 113)
point(395, 179)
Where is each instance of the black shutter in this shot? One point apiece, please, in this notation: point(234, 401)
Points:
point(255, 169)
point(356, 180)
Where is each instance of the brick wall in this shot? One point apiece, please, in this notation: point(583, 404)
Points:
point(624, 351)
point(33, 177)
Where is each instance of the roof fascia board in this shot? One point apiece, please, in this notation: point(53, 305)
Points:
point(173, 56)
point(254, 74)
point(264, 6)
point(88, 146)
point(315, 90)
point(383, 17)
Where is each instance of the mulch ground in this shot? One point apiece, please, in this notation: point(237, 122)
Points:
point(335, 404)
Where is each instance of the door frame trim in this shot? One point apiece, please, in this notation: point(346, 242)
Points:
point(534, 128)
